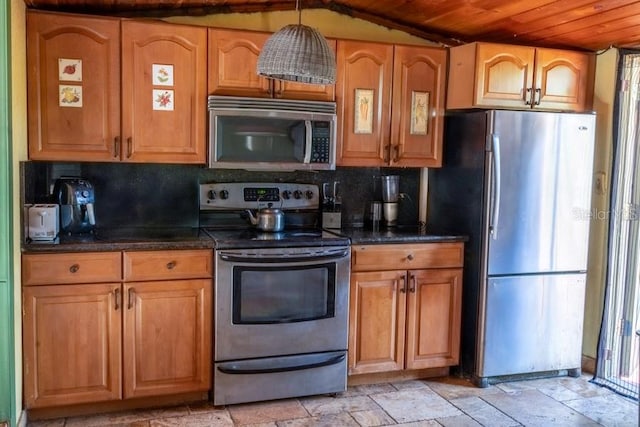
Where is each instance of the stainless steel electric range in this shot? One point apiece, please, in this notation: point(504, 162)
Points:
point(281, 298)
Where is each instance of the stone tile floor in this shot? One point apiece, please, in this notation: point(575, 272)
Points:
point(449, 402)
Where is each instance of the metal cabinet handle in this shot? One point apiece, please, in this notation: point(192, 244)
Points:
point(116, 293)
point(130, 295)
point(74, 268)
point(410, 257)
point(396, 152)
point(129, 147)
point(528, 97)
point(403, 289)
point(171, 265)
point(537, 96)
point(387, 153)
point(116, 147)
point(412, 279)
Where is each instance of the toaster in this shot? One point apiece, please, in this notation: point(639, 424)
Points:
point(43, 222)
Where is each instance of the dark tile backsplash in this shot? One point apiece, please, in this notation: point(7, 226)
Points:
point(157, 195)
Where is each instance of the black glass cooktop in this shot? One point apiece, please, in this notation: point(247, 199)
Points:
point(251, 237)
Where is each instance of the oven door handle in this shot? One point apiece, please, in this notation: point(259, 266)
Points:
point(282, 259)
point(235, 370)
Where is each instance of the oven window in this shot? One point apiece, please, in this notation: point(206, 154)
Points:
point(283, 295)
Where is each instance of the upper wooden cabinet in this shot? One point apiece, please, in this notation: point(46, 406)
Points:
point(104, 90)
point(487, 75)
point(164, 96)
point(390, 104)
point(233, 60)
point(73, 87)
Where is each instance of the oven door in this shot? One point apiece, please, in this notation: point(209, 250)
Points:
point(281, 301)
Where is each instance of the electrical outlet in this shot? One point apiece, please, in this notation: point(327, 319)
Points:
point(600, 183)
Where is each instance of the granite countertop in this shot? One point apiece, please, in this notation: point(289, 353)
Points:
point(194, 238)
point(127, 239)
point(384, 235)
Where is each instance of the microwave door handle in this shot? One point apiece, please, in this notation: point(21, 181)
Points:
point(307, 135)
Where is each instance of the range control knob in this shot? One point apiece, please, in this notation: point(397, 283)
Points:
point(224, 194)
point(309, 194)
point(286, 194)
point(297, 194)
point(211, 194)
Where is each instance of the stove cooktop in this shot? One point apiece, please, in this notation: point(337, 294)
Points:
point(253, 238)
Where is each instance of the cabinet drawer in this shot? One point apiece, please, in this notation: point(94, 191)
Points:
point(160, 265)
point(409, 256)
point(87, 267)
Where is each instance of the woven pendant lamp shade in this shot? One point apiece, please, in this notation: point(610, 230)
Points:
point(298, 53)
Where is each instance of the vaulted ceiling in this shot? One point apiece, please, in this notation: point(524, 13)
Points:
point(579, 24)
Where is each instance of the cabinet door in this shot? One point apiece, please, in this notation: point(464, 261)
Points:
point(563, 79)
point(65, 364)
point(233, 61)
point(433, 318)
point(377, 311)
point(167, 337)
point(503, 73)
point(364, 76)
point(164, 96)
point(417, 115)
point(73, 72)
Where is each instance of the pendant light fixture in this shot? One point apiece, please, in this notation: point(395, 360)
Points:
point(298, 53)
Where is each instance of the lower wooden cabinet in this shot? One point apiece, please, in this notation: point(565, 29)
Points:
point(130, 337)
point(405, 319)
point(71, 344)
point(167, 337)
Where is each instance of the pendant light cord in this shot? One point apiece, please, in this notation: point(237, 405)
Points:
point(299, 12)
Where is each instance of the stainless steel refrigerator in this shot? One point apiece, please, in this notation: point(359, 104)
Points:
point(518, 183)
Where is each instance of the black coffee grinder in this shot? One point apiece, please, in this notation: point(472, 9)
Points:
point(76, 199)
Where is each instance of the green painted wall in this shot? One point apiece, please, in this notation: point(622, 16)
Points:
point(7, 368)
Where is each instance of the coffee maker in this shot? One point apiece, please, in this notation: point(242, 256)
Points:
point(390, 195)
point(76, 199)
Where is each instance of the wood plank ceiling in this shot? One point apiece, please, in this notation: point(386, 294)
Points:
point(579, 24)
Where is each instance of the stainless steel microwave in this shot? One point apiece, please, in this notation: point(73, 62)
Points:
point(271, 134)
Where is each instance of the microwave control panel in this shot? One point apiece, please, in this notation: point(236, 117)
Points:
point(320, 142)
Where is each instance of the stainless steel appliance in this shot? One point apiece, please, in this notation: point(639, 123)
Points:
point(76, 199)
point(390, 195)
point(519, 184)
point(281, 298)
point(271, 134)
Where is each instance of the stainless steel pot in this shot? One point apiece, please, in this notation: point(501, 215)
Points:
point(267, 219)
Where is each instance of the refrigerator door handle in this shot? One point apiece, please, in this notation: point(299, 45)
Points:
point(495, 184)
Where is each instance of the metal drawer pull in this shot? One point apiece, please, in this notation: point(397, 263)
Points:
point(116, 147)
point(537, 96)
point(117, 298)
point(403, 289)
point(130, 297)
point(74, 268)
point(129, 147)
point(410, 257)
point(412, 278)
point(171, 265)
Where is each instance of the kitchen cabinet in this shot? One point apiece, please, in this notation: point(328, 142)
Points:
point(105, 89)
point(233, 60)
point(391, 104)
point(405, 307)
point(146, 325)
point(65, 364)
point(489, 75)
point(167, 322)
